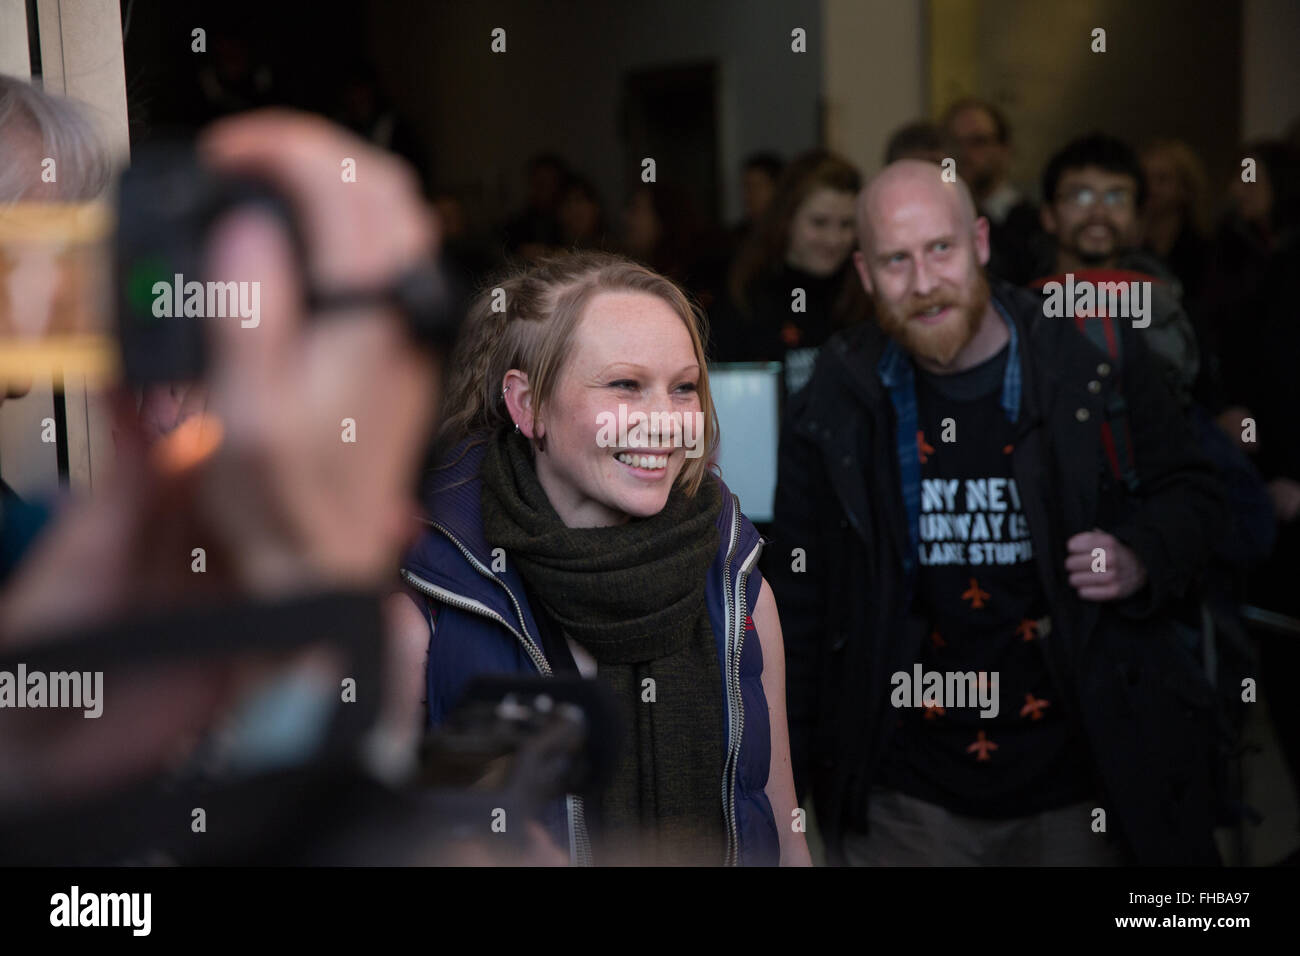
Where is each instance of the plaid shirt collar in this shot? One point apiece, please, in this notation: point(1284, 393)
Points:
point(899, 378)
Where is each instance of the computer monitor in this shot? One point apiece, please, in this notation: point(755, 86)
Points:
point(748, 397)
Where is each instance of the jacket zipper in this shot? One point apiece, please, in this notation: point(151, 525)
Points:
point(728, 804)
point(735, 627)
point(579, 839)
point(534, 651)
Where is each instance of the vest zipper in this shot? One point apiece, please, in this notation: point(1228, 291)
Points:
point(579, 839)
point(534, 650)
point(735, 627)
point(468, 604)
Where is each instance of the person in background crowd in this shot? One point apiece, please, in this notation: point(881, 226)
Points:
point(792, 284)
point(1271, 393)
point(919, 140)
point(624, 559)
point(758, 181)
point(1093, 193)
point(582, 216)
point(944, 478)
point(983, 138)
point(535, 230)
point(1262, 218)
point(1249, 299)
point(1098, 192)
point(362, 107)
point(235, 76)
point(1093, 196)
point(1255, 254)
point(468, 255)
point(35, 125)
point(663, 229)
point(1173, 220)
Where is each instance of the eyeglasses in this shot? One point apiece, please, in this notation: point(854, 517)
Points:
point(1085, 197)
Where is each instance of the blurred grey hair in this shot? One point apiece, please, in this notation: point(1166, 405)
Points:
point(66, 134)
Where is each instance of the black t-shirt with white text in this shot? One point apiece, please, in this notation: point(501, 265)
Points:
point(984, 609)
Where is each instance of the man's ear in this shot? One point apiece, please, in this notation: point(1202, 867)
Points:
point(1047, 216)
point(519, 403)
point(982, 240)
point(860, 263)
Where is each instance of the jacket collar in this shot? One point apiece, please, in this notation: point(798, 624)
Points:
point(453, 497)
point(866, 355)
point(454, 516)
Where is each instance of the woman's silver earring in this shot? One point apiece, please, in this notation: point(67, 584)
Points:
point(517, 430)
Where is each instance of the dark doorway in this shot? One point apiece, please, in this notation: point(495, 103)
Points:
point(670, 114)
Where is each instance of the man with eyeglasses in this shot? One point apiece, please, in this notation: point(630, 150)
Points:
point(1093, 190)
point(983, 138)
point(1093, 194)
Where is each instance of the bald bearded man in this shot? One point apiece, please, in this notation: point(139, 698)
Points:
point(981, 662)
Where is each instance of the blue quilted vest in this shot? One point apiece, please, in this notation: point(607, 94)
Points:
point(484, 626)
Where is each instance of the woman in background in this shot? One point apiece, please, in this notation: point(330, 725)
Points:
point(792, 284)
point(582, 216)
point(1174, 217)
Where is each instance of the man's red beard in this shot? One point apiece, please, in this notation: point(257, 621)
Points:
point(938, 343)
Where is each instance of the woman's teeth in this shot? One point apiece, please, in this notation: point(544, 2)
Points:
point(653, 462)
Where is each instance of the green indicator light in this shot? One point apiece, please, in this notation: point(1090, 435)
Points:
point(140, 282)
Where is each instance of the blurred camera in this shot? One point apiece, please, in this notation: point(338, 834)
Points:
point(168, 206)
point(121, 292)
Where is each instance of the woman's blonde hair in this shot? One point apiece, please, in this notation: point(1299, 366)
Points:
point(1191, 177)
point(525, 320)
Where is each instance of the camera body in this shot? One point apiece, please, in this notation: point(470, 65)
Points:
point(168, 205)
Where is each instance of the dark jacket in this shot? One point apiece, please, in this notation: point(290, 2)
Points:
point(21, 522)
point(1015, 243)
point(766, 327)
point(1136, 696)
point(484, 626)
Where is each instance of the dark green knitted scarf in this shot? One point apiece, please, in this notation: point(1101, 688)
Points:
point(633, 596)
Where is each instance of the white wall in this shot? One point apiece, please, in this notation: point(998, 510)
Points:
point(874, 80)
point(13, 38)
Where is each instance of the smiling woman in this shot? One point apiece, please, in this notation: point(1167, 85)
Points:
point(641, 430)
point(629, 350)
point(528, 322)
point(791, 285)
point(625, 560)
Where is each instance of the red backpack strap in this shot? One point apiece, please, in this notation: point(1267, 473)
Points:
point(1102, 331)
point(1116, 437)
